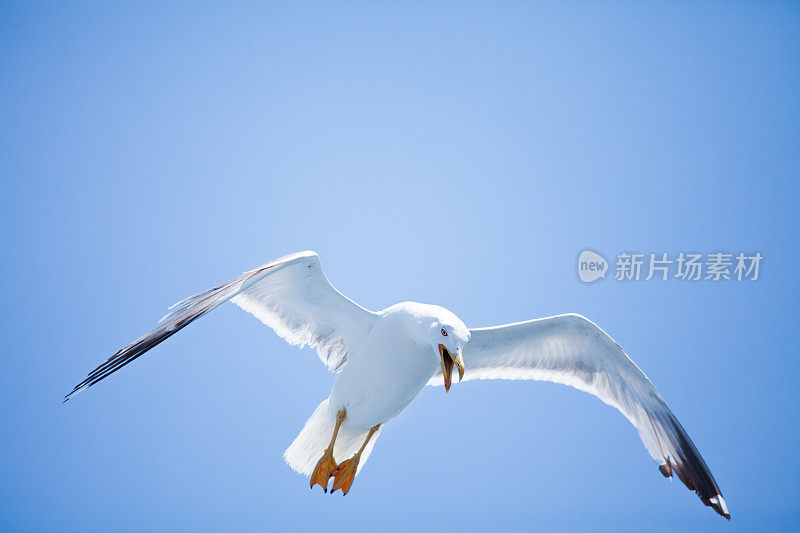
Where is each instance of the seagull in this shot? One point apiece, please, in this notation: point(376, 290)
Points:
point(384, 359)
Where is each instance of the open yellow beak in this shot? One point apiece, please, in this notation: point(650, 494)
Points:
point(447, 360)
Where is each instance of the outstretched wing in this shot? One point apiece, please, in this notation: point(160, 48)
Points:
point(291, 295)
point(571, 350)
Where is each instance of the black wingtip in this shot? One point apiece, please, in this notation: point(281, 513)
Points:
point(718, 504)
point(720, 512)
point(78, 389)
point(684, 461)
point(70, 395)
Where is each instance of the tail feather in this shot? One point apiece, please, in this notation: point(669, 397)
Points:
point(303, 454)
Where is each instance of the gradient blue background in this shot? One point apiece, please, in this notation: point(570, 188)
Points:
point(459, 154)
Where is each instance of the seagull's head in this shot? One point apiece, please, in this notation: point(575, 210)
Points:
point(448, 337)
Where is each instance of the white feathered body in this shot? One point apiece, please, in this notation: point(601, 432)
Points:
point(384, 373)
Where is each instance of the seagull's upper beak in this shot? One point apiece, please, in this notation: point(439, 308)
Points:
point(448, 360)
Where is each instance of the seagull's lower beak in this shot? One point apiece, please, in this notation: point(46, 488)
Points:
point(447, 360)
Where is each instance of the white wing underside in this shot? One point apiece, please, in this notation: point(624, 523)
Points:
point(302, 307)
point(571, 350)
point(291, 295)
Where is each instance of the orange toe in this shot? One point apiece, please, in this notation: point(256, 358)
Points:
point(323, 471)
point(344, 475)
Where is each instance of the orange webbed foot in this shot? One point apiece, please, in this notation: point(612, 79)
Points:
point(345, 474)
point(324, 470)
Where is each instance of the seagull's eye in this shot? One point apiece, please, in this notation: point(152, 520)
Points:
point(444, 332)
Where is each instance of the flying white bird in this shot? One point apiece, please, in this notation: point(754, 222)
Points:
point(383, 359)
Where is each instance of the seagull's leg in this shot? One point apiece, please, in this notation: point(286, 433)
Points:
point(326, 465)
point(345, 473)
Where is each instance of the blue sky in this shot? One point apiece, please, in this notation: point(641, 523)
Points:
point(460, 154)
